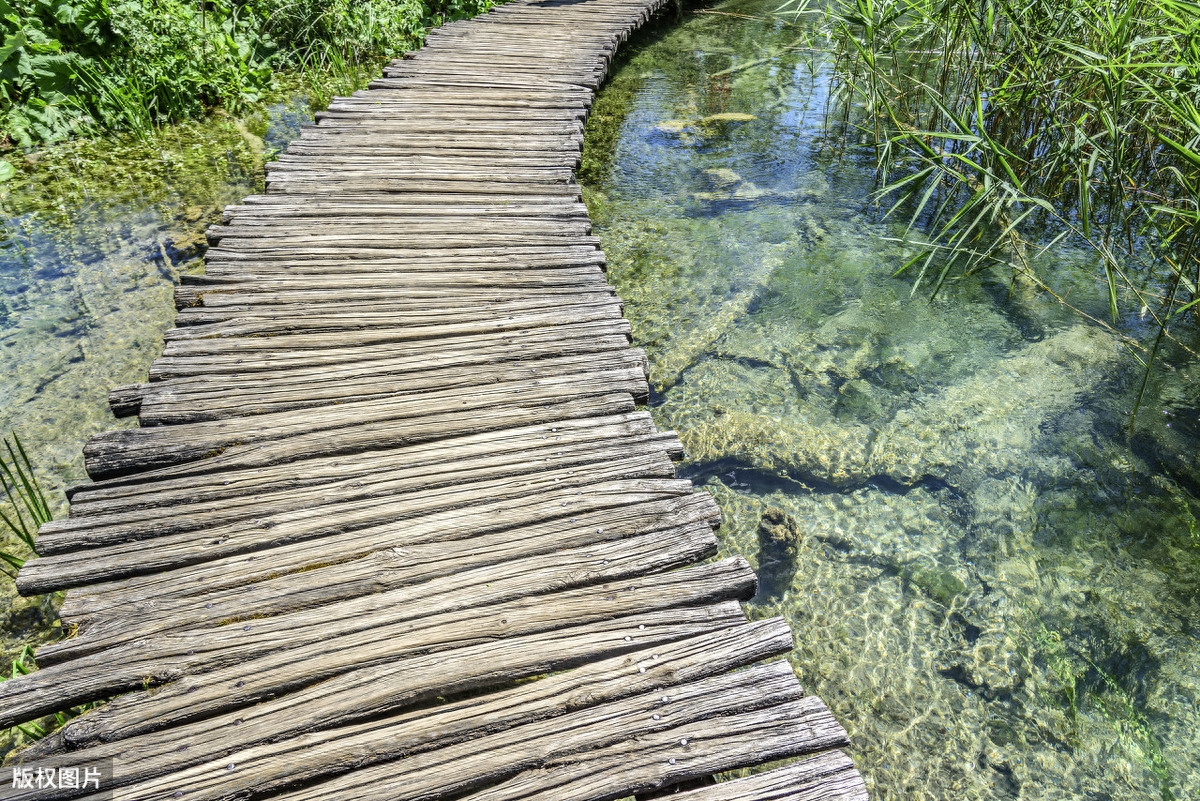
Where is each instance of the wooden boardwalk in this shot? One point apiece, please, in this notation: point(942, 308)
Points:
point(391, 527)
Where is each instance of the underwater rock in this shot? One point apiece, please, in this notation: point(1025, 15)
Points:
point(742, 192)
point(939, 583)
point(860, 400)
point(730, 116)
point(722, 177)
point(672, 127)
point(985, 425)
point(829, 454)
point(779, 540)
point(729, 189)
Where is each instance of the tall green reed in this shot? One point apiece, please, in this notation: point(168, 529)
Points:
point(27, 505)
point(995, 121)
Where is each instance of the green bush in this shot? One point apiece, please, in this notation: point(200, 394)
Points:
point(73, 66)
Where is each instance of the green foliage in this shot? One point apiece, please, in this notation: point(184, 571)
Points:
point(28, 508)
point(72, 66)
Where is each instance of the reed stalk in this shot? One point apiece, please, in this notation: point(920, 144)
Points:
point(27, 506)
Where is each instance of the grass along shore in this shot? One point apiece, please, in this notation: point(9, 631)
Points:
point(75, 67)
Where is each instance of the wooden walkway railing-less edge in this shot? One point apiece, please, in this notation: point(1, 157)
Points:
point(392, 527)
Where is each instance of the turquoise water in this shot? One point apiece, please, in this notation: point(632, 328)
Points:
point(992, 584)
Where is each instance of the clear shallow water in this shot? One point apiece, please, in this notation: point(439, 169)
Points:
point(992, 584)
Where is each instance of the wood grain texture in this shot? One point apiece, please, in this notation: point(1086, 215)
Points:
point(829, 776)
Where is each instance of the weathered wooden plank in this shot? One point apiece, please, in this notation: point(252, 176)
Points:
point(172, 486)
point(390, 434)
point(371, 478)
point(327, 330)
point(658, 756)
point(274, 766)
point(163, 403)
point(406, 264)
point(306, 556)
point(507, 752)
point(355, 228)
point(829, 776)
point(278, 654)
point(406, 312)
point(254, 298)
point(264, 208)
point(344, 519)
point(428, 417)
point(104, 621)
point(110, 731)
point(495, 361)
point(330, 184)
point(238, 672)
point(252, 354)
point(707, 716)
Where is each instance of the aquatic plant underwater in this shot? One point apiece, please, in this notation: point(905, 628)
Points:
point(992, 580)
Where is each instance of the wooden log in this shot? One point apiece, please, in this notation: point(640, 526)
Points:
point(709, 697)
point(234, 677)
point(114, 561)
point(389, 479)
point(110, 731)
point(657, 757)
point(274, 766)
point(107, 621)
point(829, 776)
point(164, 403)
point(287, 651)
point(399, 419)
point(336, 442)
point(249, 355)
point(306, 556)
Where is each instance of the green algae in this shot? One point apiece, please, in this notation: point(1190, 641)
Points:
point(991, 582)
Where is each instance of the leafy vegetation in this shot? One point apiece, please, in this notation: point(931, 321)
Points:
point(72, 66)
point(996, 121)
point(28, 508)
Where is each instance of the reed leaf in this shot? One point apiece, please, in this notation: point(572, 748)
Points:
point(1005, 128)
point(29, 507)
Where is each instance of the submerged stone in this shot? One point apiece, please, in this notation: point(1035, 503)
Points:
point(722, 177)
point(672, 127)
point(779, 539)
point(938, 583)
point(729, 116)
